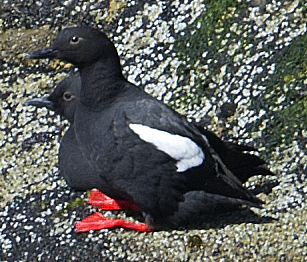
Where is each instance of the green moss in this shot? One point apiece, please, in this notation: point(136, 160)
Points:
point(302, 4)
point(213, 41)
point(288, 124)
point(45, 203)
point(286, 89)
point(210, 33)
point(76, 203)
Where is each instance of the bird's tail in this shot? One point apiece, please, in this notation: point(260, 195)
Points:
point(237, 158)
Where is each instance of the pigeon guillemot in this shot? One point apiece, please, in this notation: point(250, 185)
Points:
point(72, 164)
point(79, 174)
point(140, 149)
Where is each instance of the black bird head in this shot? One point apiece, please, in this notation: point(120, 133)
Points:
point(63, 99)
point(80, 46)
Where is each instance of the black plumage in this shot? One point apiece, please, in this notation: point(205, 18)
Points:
point(73, 166)
point(63, 101)
point(140, 149)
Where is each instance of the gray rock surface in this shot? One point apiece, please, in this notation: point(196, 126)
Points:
point(195, 55)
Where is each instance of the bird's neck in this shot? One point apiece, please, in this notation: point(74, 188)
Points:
point(101, 83)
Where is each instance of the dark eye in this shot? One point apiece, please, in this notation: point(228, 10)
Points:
point(67, 96)
point(74, 40)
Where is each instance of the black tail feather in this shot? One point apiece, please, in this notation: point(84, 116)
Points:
point(242, 164)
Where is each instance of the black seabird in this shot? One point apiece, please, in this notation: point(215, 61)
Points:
point(141, 150)
point(72, 164)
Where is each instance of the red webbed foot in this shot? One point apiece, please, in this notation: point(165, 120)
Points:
point(98, 221)
point(101, 200)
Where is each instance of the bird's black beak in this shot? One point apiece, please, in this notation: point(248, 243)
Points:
point(44, 53)
point(40, 102)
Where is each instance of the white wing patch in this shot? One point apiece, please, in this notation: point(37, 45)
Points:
point(183, 149)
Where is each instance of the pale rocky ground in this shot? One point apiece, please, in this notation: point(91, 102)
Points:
point(196, 56)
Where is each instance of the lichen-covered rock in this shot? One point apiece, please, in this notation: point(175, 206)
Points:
point(195, 55)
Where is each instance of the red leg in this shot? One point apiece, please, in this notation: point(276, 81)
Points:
point(98, 221)
point(97, 198)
